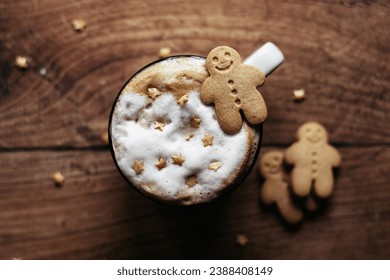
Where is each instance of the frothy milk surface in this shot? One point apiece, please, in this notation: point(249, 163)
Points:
point(135, 137)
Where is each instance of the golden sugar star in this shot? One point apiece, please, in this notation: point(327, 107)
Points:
point(299, 94)
point(161, 163)
point(164, 52)
point(191, 181)
point(153, 93)
point(58, 178)
point(195, 122)
point(138, 166)
point(159, 125)
point(188, 138)
point(207, 140)
point(178, 159)
point(183, 100)
point(79, 24)
point(241, 240)
point(215, 165)
point(21, 62)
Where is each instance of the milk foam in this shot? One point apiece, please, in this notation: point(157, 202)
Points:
point(134, 137)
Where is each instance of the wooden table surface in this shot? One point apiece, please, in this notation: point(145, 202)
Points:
point(337, 50)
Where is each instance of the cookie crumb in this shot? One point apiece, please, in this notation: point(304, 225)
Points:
point(241, 240)
point(153, 93)
point(138, 166)
point(162, 163)
point(189, 137)
point(178, 159)
point(164, 52)
point(183, 100)
point(58, 178)
point(195, 122)
point(21, 62)
point(42, 71)
point(79, 25)
point(299, 94)
point(104, 138)
point(159, 125)
point(207, 140)
point(215, 165)
point(191, 181)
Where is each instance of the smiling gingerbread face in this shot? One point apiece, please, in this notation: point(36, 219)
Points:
point(271, 164)
point(222, 60)
point(313, 132)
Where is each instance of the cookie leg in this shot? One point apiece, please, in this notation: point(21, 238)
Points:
point(254, 109)
point(267, 194)
point(301, 181)
point(323, 185)
point(229, 117)
point(288, 210)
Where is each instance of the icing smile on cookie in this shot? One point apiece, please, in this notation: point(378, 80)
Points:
point(313, 134)
point(223, 67)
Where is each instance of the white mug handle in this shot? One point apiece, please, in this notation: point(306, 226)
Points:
point(267, 58)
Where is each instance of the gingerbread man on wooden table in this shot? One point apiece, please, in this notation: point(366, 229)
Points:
point(232, 87)
point(313, 159)
point(275, 188)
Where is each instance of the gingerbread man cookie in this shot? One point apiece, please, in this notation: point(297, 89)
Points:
point(275, 189)
point(232, 87)
point(313, 159)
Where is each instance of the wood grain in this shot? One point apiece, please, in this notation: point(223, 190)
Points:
point(95, 214)
point(336, 50)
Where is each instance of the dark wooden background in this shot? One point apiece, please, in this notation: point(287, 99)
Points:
point(338, 51)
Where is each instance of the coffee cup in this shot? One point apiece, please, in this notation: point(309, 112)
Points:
point(168, 144)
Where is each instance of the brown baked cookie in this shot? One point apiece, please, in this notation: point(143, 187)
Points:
point(232, 87)
point(275, 189)
point(313, 159)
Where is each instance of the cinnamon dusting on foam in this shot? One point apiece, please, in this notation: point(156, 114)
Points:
point(184, 81)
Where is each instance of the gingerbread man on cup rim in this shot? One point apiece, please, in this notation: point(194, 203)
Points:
point(232, 88)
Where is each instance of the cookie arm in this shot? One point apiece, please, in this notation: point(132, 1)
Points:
point(254, 75)
point(291, 153)
point(207, 92)
point(334, 156)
